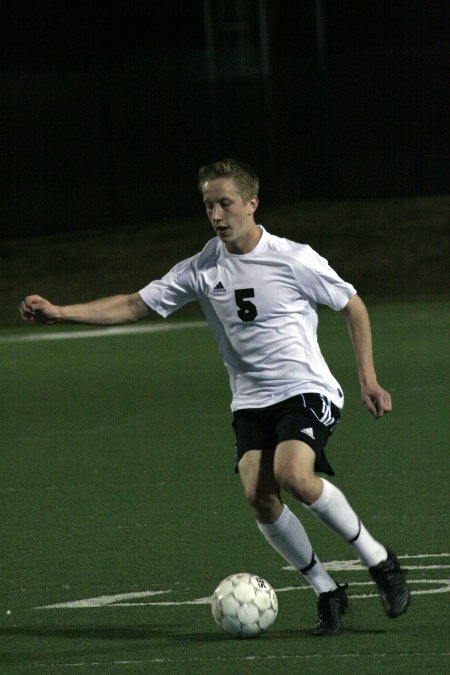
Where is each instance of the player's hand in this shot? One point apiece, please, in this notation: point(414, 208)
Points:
point(376, 399)
point(35, 308)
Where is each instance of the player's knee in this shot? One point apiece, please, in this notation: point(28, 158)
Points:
point(263, 504)
point(253, 495)
point(300, 484)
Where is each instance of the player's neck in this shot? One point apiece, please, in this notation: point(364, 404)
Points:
point(246, 243)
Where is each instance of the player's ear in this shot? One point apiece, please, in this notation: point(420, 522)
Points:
point(252, 205)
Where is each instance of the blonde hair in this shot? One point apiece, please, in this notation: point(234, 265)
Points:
point(244, 176)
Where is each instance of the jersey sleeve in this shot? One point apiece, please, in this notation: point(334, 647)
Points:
point(175, 289)
point(319, 282)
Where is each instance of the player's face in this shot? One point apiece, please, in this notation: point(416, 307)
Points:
point(231, 218)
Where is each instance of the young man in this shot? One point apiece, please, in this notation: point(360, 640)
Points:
point(259, 294)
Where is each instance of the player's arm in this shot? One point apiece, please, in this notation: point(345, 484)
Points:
point(105, 311)
point(376, 399)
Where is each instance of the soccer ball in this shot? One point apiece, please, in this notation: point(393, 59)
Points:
point(244, 605)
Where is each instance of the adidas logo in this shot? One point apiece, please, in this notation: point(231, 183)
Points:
point(309, 432)
point(219, 288)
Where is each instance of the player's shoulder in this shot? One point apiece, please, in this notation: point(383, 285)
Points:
point(291, 249)
point(208, 255)
point(193, 263)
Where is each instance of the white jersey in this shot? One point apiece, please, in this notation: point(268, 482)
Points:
point(262, 310)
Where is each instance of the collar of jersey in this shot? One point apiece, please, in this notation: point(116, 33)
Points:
point(258, 248)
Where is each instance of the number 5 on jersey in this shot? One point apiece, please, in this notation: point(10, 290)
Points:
point(247, 310)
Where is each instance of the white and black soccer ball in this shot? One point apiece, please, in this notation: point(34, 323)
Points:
point(244, 605)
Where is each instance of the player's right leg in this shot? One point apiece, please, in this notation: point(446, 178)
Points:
point(283, 530)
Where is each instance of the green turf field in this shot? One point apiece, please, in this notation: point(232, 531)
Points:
point(121, 511)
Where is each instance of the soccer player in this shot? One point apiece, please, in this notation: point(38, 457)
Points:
point(259, 294)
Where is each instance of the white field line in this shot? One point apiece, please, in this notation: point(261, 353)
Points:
point(355, 565)
point(110, 331)
point(445, 588)
point(423, 555)
point(120, 599)
point(56, 666)
point(206, 601)
point(103, 600)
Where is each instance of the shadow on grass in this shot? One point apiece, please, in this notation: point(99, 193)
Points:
point(170, 632)
point(291, 634)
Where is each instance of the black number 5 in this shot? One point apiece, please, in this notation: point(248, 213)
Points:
point(247, 310)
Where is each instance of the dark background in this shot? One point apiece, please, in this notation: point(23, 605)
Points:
point(108, 109)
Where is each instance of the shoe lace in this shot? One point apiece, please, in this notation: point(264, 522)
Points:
point(332, 604)
point(389, 575)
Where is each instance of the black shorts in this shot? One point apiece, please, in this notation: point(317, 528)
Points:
point(310, 418)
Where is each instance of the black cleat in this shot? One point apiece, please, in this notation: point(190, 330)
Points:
point(331, 606)
point(391, 582)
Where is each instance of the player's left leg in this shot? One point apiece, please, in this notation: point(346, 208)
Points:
point(333, 509)
point(294, 470)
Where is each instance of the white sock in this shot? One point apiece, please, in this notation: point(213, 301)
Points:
point(333, 509)
point(288, 536)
